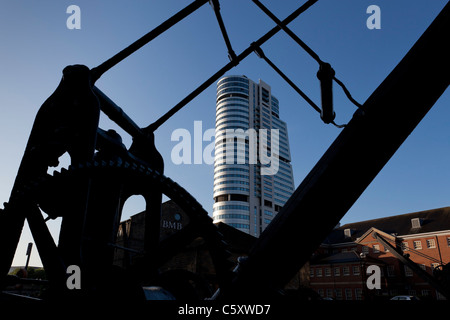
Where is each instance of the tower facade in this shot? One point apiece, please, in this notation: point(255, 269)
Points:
point(252, 172)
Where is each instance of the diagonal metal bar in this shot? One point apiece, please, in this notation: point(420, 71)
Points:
point(98, 71)
point(288, 31)
point(414, 267)
point(305, 47)
point(116, 114)
point(260, 53)
point(228, 67)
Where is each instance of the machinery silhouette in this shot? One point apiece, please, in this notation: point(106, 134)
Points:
point(103, 174)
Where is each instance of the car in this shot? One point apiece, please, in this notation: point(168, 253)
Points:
point(405, 298)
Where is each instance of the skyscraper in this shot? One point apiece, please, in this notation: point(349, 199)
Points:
point(252, 171)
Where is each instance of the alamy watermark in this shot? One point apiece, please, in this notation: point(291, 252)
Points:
point(374, 20)
point(74, 20)
point(374, 279)
point(74, 280)
point(261, 146)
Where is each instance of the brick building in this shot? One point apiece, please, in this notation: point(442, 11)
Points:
point(336, 269)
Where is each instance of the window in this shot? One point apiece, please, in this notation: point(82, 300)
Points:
point(426, 293)
point(232, 216)
point(320, 292)
point(348, 294)
point(365, 250)
point(408, 271)
point(405, 246)
point(376, 248)
point(356, 270)
point(448, 241)
point(417, 245)
point(390, 271)
point(319, 272)
point(346, 271)
point(239, 225)
point(434, 266)
point(337, 271)
point(238, 197)
point(338, 294)
point(431, 244)
point(231, 206)
point(311, 272)
point(358, 293)
point(329, 293)
point(265, 95)
point(327, 272)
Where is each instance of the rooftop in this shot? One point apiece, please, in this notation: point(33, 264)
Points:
point(433, 220)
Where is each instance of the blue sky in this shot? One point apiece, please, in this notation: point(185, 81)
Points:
point(37, 45)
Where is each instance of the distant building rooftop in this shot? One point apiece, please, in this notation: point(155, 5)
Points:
point(433, 220)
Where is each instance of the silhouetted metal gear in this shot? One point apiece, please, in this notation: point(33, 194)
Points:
point(48, 193)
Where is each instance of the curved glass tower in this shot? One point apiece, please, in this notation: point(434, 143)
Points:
point(252, 171)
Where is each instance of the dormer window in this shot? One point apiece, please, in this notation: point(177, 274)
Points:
point(416, 223)
point(348, 233)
